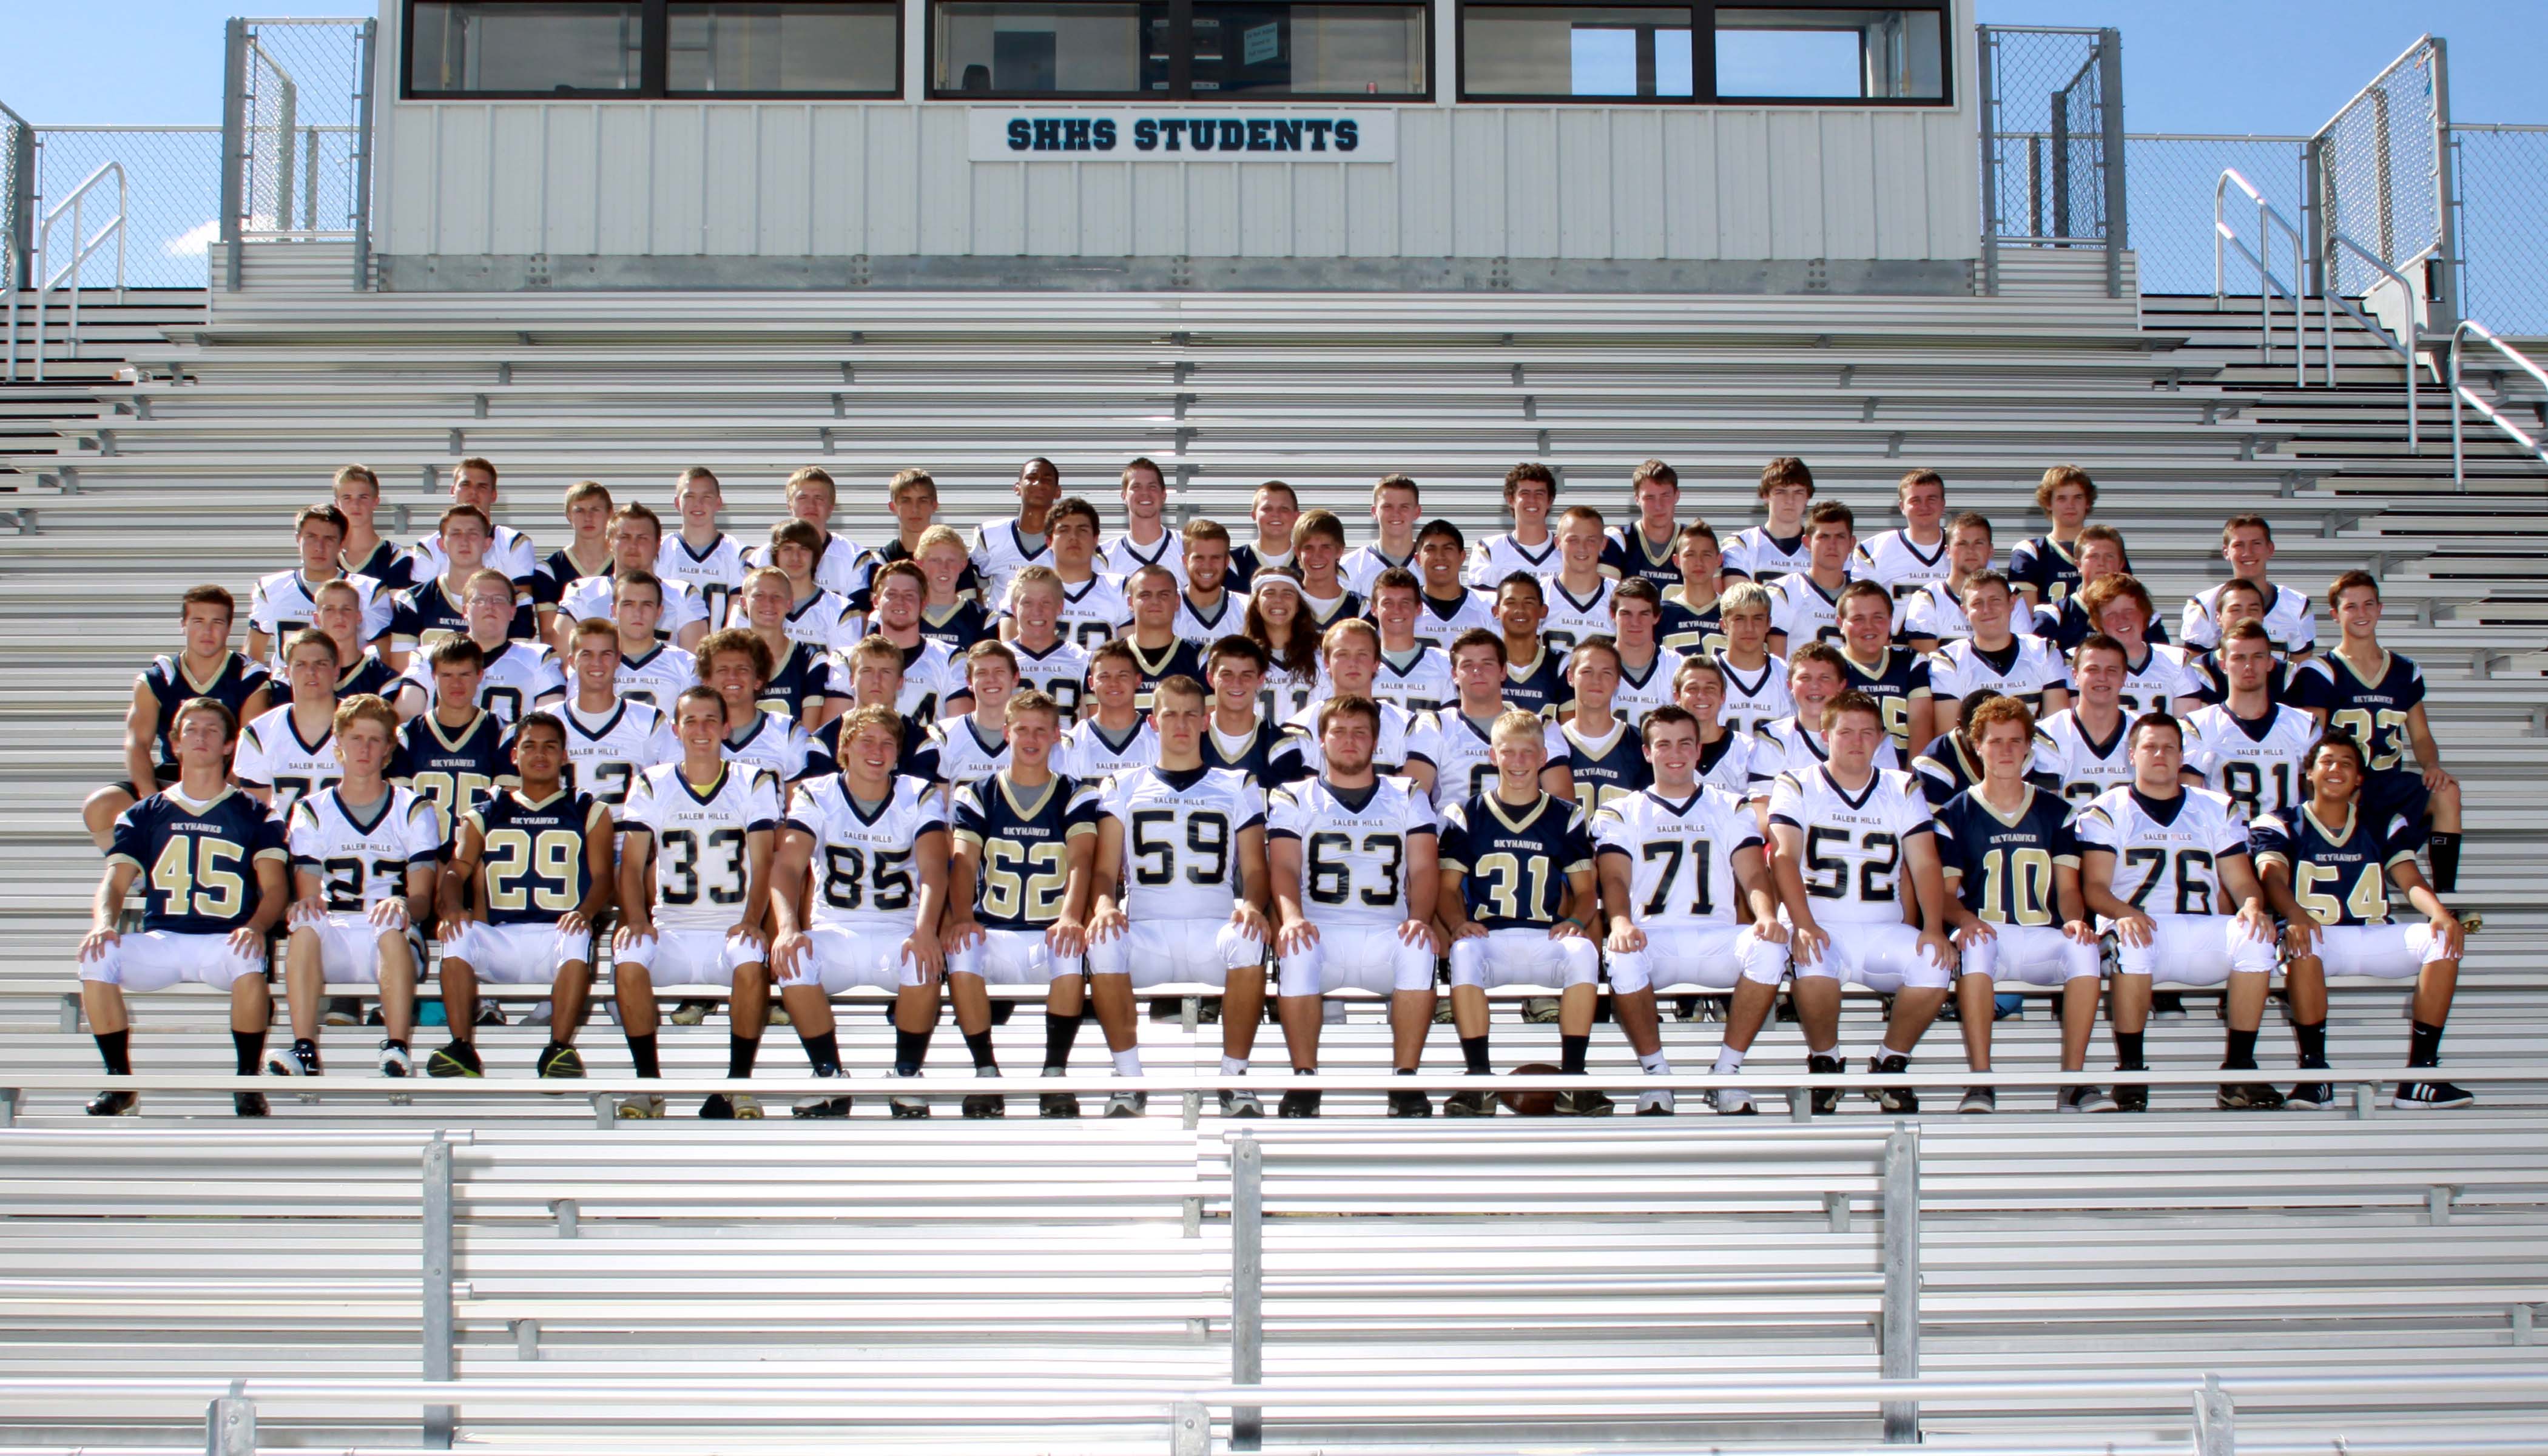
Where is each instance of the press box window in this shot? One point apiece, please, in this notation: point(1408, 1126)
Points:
point(1555, 51)
point(1178, 49)
point(516, 47)
point(1833, 54)
point(650, 49)
point(782, 49)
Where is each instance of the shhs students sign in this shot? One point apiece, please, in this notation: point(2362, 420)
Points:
point(1147, 135)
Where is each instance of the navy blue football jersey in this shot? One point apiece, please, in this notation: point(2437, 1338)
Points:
point(166, 680)
point(1024, 836)
point(802, 676)
point(1627, 554)
point(958, 626)
point(2005, 862)
point(1690, 630)
point(2340, 874)
point(824, 755)
point(2066, 626)
point(1894, 681)
point(368, 675)
point(454, 768)
point(534, 854)
point(1948, 767)
point(393, 568)
point(1539, 685)
point(1609, 768)
point(1180, 658)
point(2216, 683)
point(198, 862)
point(1512, 862)
point(2372, 710)
point(422, 616)
point(1252, 754)
point(2046, 566)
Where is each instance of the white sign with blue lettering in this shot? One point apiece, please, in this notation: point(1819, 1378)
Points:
point(1180, 135)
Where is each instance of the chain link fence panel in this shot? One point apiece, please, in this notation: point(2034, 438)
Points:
point(2173, 177)
point(172, 207)
point(2046, 147)
point(2503, 225)
point(300, 121)
point(2381, 165)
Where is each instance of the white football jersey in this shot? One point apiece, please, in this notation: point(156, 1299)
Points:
point(2086, 767)
point(864, 878)
point(1206, 627)
point(838, 569)
point(1359, 568)
point(702, 857)
point(606, 752)
point(2253, 764)
point(272, 755)
point(1287, 692)
point(1783, 747)
point(1093, 611)
point(716, 571)
point(1801, 609)
point(822, 621)
point(510, 552)
point(1000, 551)
point(2167, 852)
point(360, 865)
point(1122, 556)
point(1935, 610)
point(1500, 556)
point(1753, 552)
point(1458, 748)
point(2021, 669)
point(516, 676)
point(1436, 626)
point(1727, 763)
point(930, 676)
point(591, 596)
point(1181, 838)
point(1640, 694)
point(1419, 680)
point(285, 603)
point(1571, 618)
point(2289, 620)
point(659, 677)
point(1855, 843)
point(776, 743)
point(1681, 856)
point(1301, 739)
point(1754, 699)
point(1091, 755)
point(1060, 672)
point(1899, 565)
point(1353, 847)
point(961, 754)
point(2168, 675)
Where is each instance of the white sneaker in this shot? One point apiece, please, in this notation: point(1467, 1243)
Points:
point(1128, 1104)
point(1655, 1105)
point(1731, 1101)
point(394, 1061)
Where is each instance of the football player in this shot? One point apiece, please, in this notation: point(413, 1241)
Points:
point(2327, 871)
point(1278, 621)
point(1049, 662)
point(1396, 506)
point(1408, 673)
point(473, 485)
point(636, 542)
point(1181, 894)
point(1093, 609)
point(1756, 679)
point(1936, 614)
point(816, 616)
point(2247, 544)
point(2240, 601)
point(700, 556)
point(1905, 560)
point(1897, 678)
point(361, 669)
point(800, 674)
point(366, 552)
point(1953, 764)
point(1517, 903)
point(933, 683)
point(912, 495)
point(1349, 653)
point(214, 864)
point(513, 676)
point(1113, 735)
point(2012, 880)
point(1604, 757)
point(291, 750)
point(1816, 676)
point(2156, 677)
point(1158, 650)
point(1578, 593)
point(1207, 612)
point(1647, 548)
point(1242, 734)
point(2083, 747)
point(2045, 568)
point(1355, 877)
point(1645, 666)
point(651, 670)
point(2247, 747)
point(456, 754)
point(1804, 604)
point(2154, 857)
point(1990, 657)
point(1003, 548)
point(364, 858)
point(1672, 858)
point(1778, 546)
point(1274, 509)
point(874, 671)
point(1724, 756)
point(525, 890)
point(287, 601)
point(735, 665)
point(1534, 676)
point(1145, 540)
point(949, 614)
point(205, 667)
point(1318, 543)
point(587, 554)
point(1018, 896)
point(694, 895)
point(2100, 551)
point(2376, 698)
point(1450, 752)
point(1692, 609)
point(969, 748)
point(1851, 836)
point(609, 739)
point(861, 885)
point(1448, 606)
point(1529, 548)
point(812, 497)
point(436, 608)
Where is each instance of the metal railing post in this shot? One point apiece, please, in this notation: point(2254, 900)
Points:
point(1246, 1287)
point(2444, 275)
point(2215, 1424)
point(1986, 43)
point(285, 118)
point(2061, 140)
point(2110, 108)
point(362, 201)
point(230, 1423)
point(234, 144)
point(1900, 1358)
point(438, 1419)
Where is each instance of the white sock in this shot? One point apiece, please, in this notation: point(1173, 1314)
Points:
point(1728, 1059)
point(1656, 1062)
point(1231, 1067)
point(1128, 1064)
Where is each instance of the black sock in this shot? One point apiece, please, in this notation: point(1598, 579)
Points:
point(397, 1041)
point(641, 1050)
point(980, 1044)
point(824, 1052)
point(1571, 1051)
point(2311, 1037)
point(116, 1050)
point(2423, 1046)
point(739, 1054)
point(2446, 860)
point(1473, 1051)
point(1058, 1032)
point(2127, 1051)
point(910, 1049)
point(546, 1053)
point(248, 1048)
point(300, 1045)
point(2241, 1055)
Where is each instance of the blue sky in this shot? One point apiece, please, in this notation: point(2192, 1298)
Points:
point(2189, 65)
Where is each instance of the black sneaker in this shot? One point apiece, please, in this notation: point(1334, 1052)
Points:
point(820, 1107)
point(1469, 1105)
point(1825, 1099)
point(2410, 1096)
point(1892, 1099)
point(248, 1105)
point(1298, 1105)
point(1057, 1105)
point(2309, 1097)
point(114, 1105)
point(718, 1108)
point(979, 1105)
point(1589, 1103)
point(460, 1060)
point(1979, 1099)
point(1409, 1105)
point(2248, 1097)
point(2131, 1096)
point(2086, 1099)
point(565, 1061)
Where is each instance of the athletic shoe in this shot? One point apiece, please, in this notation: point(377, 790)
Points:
point(1128, 1104)
point(395, 1062)
point(820, 1107)
point(1469, 1105)
point(1825, 1099)
point(643, 1109)
point(2248, 1097)
point(1732, 1102)
point(978, 1105)
point(2309, 1097)
point(2167, 1006)
point(689, 1014)
point(718, 1108)
point(1241, 1103)
point(1979, 1099)
point(2086, 1099)
point(341, 1011)
point(910, 1107)
point(1687, 1008)
point(1298, 1105)
point(1409, 1105)
point(114, 1105)
point(1057, 1105)
point(460, 1060)
point(248, 1104)
point(1592, 1102)
point(2409, 1097)
point(1655, 1105)
point(1892, 1099)
point(2131, 1096)
point(1539, 1010)
point(293, 1062)
point(565, 1061)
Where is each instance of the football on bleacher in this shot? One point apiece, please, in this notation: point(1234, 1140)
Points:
point(1532, 1104)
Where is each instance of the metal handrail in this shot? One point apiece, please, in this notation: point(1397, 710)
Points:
point(76, 206)
point(2460, 334)
point(2330, 299)
point(2268, 217)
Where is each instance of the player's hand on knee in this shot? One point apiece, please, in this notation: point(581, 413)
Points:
point(1421, 933)
point(308, 910)
point(788, 951)
point(1469, 930)
point(927, 953)
point(2256, 921)
point(1810, 942)
point(2080, 931)
point(1773, 931)
point(632, 932)
point(1627, 938)
point(1296, 938)
point(389, 914)
point(570, 925)
point(1252, 920)
point(965, 933)
point(1066, 939)
point(1108, 923)
point(247, 943)
point(2450, 935)
point(1979, 933)
point(1939, 949)
point(2299, 937)
point(2135, 928)
point(2437, 780)
point(94, 944)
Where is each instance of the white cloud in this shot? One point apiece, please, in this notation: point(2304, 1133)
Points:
point(194, 242)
